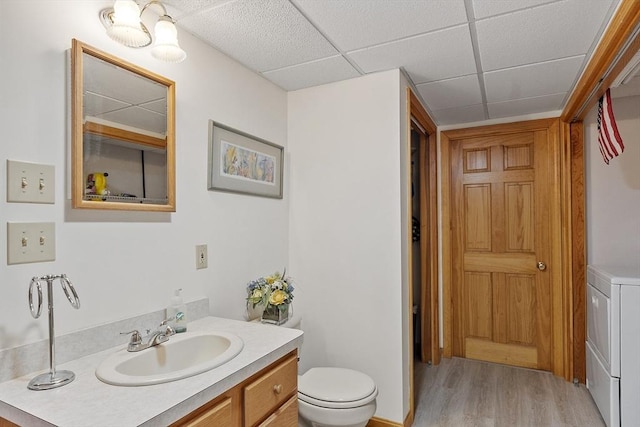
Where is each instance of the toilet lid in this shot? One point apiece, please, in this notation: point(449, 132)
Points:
point(336, 387)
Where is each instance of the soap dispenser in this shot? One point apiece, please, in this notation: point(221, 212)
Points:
point(177, 312)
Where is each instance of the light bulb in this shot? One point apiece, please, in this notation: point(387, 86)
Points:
point(126, 28)
point(166, 47)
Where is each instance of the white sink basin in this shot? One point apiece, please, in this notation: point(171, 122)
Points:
point(184, 355)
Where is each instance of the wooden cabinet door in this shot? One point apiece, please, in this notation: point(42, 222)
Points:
point(502, 187)
point(221, 414)
point(266, 393)
point(285, 416)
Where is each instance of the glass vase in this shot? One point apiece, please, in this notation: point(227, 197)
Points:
point(275, 314)
point(254, 312)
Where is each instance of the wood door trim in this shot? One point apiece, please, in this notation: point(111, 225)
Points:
point(613, 41)
point(592, 84)
point(578, 252)
point(561, 302)
point(416, 111)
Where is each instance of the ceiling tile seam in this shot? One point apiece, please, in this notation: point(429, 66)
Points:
point(446, 80)
point(576, 79)
point(273, 70)
point(526, 98)
point(460, 107)
point(198, 11)
point(402, 39)
point(327, 38)
point(516, 11)
point(547, 61)
point(468, 5)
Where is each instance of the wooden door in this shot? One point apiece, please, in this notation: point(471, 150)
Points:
point(502, 189)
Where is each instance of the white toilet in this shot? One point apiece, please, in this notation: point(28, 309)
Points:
point(333, 397)
point(330, 397)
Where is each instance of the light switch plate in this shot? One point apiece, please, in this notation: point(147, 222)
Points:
point(201, 257)
point(30, 182)
point(30, 242)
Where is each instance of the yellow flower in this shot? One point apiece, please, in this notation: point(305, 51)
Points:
point(277, 297)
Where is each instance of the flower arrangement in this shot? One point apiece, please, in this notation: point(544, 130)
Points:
point(274, 294)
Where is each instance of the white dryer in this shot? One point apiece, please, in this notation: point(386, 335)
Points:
point(613, 343)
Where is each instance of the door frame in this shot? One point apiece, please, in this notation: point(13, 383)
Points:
point(561, 304)
point(429, 249)
point(618, 45)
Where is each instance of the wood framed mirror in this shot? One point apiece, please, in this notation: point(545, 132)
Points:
point(123, 134)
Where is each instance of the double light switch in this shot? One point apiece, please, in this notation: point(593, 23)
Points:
point(30, 182)
point(30, 241)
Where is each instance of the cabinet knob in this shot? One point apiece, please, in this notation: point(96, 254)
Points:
point(277, 389)
point(542, 266)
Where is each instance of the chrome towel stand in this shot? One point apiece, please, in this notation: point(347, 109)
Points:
point(52, 379)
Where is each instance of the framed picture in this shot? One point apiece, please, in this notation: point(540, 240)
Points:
point(242, 163)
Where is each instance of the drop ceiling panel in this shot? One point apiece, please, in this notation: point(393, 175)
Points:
point(541, 33)
point(520, 107)
point(114, 82)
point(263, 35)
point(355, 24)
point(158, 106)
point(450, 116)
point(139, 118)
point(303, 43)
point(532, 80)
point(177, 9)
point(94, 104)
point(485, 8)
point(313, 73)
point(458, 92)
point(434, 56)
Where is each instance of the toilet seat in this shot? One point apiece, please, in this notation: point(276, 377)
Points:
point(336, 388)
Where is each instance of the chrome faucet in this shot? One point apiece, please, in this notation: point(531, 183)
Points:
point(158, 336)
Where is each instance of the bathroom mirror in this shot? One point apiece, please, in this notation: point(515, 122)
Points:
point(123, 147)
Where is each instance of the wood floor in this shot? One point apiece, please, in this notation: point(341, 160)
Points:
point(464, 392)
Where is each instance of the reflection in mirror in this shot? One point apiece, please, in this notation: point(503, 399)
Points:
point(123, 134)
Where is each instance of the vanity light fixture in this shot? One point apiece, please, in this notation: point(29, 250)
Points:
point(124, 25)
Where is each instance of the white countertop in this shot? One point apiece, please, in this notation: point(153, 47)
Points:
point(88, 401)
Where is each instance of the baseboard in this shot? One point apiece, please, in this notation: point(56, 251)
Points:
point(380, 422)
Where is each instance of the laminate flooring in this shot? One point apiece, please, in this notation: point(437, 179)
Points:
point(463, 392)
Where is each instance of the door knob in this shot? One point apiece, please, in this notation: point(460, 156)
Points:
point(542, 266)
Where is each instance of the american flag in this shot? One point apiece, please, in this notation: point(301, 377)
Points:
point(608, 137)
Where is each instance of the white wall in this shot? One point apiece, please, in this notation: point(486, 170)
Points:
point(613, 191)
point(406, 242)
point(126, 264)
point(346, 229)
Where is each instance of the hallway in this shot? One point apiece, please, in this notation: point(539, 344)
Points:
point(464, 392)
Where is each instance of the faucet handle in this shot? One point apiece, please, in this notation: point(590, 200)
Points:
point(135, 337)
point(167, 320)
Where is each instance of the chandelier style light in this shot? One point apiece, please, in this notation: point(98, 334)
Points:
point(124, 25)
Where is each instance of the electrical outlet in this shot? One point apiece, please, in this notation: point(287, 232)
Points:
point(201, 256)
point(30, 182)
point(30, 242)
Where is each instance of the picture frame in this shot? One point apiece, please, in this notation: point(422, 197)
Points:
point(243, 163)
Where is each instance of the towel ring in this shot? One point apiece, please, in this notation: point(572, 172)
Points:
point(35, 313)
point(68, 286)
point(53, 378)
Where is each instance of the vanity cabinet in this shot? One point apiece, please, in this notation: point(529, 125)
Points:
point(268, 398)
